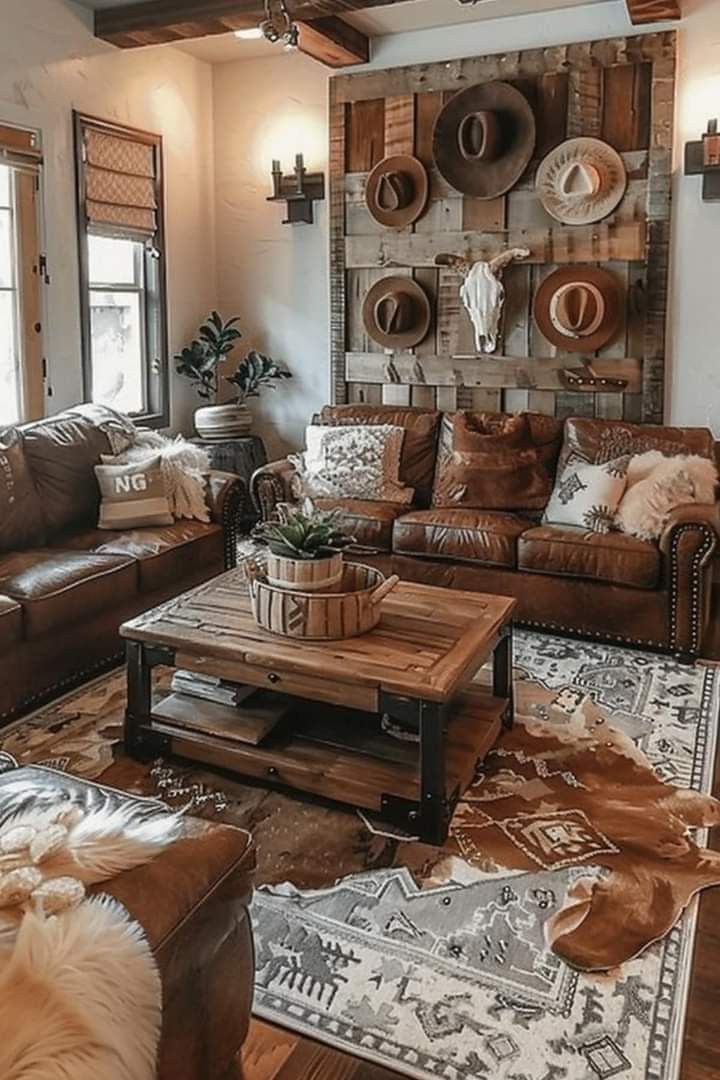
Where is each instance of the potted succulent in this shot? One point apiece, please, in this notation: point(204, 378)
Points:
point(199, 362)
point(304, 549)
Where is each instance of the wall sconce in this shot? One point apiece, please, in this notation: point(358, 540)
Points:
point(299, 191)
point(702, 158)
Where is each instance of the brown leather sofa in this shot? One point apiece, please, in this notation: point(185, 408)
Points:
point(65, 586)
point(610, 587)
point(192, 902)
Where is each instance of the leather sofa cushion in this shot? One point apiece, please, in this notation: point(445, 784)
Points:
point(58, 588)
point(480, 536)
point(605, 440)
point(62, 452)
point(21, 514)
point(417, 460)
point(164, 554)
point(492, 461)
point(11, 622)
point(574, 552)
point(371, 523)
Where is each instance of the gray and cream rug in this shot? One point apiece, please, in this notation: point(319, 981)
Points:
point(437, 963)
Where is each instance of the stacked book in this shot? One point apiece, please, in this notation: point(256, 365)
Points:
point(210, 688)
point(225, 710)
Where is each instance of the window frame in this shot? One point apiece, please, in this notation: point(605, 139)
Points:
point(154, 316)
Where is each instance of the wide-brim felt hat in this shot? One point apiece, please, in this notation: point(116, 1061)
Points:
point(580, 308)
point(396, 312)
point(581, 181)
point(484, 138)
point(396, 191)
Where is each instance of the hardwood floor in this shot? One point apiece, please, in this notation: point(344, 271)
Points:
point(271, 1053)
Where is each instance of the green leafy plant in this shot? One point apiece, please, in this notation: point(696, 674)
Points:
point(216, 339)
point(313, 535)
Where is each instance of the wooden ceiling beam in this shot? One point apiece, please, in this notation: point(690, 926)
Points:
point(334, 42)
point(651, 11)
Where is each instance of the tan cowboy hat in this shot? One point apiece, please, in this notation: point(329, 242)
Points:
point(396, 312)
point(579, 308)
point(581, 181)
point(484, 138)
point(396, 191)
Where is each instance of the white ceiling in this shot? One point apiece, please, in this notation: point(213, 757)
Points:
point(376, 22)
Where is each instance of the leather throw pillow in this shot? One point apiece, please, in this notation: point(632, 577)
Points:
point(489, 461)
point(133, 495)
point(22, 524)
point(353, 462)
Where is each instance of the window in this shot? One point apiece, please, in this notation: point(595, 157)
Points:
point(21, 363)
point(120, 242)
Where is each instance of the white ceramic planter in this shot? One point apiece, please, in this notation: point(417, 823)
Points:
point(222, 421)
point(304, 575)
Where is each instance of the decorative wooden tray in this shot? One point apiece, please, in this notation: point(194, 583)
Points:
point(352, 608)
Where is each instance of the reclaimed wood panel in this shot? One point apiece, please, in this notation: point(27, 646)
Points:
point(619, 89)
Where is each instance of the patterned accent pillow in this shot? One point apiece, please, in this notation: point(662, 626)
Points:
point(353, 462)
point(588, 495)
point(133, 495)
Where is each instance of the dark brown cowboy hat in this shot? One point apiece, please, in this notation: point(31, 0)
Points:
point(579, 308)
point(396, 312)
point(484, 138)
point(396, 191)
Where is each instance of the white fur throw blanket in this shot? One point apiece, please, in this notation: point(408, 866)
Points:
point(183, 465)
point(80, 994)
point(656, 485)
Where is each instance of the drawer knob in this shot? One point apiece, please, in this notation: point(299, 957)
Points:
point(273, 677)
point(272, 771)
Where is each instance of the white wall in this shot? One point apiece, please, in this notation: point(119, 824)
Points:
point(274, 276)
point(277, 277)
point(49, 64)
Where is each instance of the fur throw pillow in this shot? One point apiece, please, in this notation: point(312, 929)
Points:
point(183, 466)
point(657, 484)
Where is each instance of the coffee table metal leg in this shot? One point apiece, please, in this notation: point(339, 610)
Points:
point(503, 675)
point(139, 696)
point(433, 794)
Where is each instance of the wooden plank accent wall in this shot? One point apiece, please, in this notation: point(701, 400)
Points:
point(621, 90)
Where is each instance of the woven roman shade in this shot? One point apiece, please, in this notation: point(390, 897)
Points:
point(20, 148)
point(119, 185)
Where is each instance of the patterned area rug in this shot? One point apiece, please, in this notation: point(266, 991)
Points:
point(436, 962)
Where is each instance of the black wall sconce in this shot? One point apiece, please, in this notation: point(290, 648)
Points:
point(702, 158)
point(299, 191)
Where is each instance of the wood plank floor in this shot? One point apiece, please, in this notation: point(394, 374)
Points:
point(272, 1053)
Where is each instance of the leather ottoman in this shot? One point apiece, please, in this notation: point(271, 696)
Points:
point(192, 901)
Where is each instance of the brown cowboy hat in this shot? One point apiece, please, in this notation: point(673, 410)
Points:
point(396, 191)
point(579, 308)
point(396, 312)
point(484, 138)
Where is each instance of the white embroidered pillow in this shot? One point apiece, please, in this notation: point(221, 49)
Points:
point(587, 495)
point(360, 461)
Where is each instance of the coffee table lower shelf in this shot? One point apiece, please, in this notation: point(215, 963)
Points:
point(342, 761)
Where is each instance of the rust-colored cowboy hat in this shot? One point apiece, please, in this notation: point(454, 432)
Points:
point(396, 191)
point(579, 308)
point(396, 312)
point(484, 138)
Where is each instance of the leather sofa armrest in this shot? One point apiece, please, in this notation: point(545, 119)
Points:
point(700, 516)
point(688, 542)
point(226, 497)
point(272, 484)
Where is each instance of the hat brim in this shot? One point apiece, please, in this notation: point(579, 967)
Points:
point(611, 289)
point(485, 180)
point(594, 208)
point(421, 304)
point(402, 163)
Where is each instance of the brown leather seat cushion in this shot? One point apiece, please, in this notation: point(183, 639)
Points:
point(417, 462)
point(371, 523)
point(164, 554)
point(575, 552)
point(57, 588)
point(489, 537)
point(11, 622)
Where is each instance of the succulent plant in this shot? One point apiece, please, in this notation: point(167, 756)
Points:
point(314, 534)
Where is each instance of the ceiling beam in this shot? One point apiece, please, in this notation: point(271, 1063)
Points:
point(650, 11)
point(156, 22)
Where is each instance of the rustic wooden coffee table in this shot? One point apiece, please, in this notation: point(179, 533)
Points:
point(416, 666)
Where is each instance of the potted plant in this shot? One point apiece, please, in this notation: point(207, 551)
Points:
point(199, 362)
point(304, 549)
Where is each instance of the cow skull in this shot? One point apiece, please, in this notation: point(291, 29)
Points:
point(483, 293)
